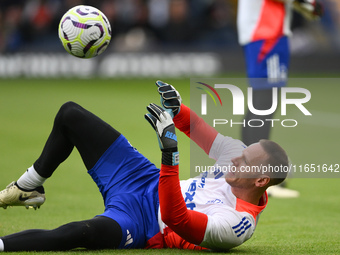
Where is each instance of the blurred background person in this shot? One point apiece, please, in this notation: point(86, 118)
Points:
point(263, 29)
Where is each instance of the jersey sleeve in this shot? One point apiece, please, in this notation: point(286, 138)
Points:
point(225, 147)
point(228, 229)
point(195, 127)
point(189, 225)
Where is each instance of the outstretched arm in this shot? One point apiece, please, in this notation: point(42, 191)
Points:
point(195, 127)
point(188, 224)
point(185, 119)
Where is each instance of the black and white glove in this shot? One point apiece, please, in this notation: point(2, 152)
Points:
point(310, 9)
point(170, 98)
point(162, 123)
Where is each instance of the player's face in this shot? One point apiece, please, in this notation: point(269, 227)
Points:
point(246, 167)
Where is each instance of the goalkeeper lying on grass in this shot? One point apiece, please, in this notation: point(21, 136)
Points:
point(147, 207)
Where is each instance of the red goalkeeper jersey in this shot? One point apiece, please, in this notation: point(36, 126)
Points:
point(202, 212)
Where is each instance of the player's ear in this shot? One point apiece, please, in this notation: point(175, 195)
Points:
point(262, 181)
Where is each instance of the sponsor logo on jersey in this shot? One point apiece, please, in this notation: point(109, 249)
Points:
point(215, 201)
point(189, 195)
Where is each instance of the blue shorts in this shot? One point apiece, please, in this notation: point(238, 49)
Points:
point(267, 63)
point(128, 183)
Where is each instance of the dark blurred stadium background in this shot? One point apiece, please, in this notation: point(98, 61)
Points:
point(155, 38)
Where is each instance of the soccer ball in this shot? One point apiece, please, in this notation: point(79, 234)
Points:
point(84, 31)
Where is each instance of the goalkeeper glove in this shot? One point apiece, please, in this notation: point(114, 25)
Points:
point(162, 123)
point(170, 98)
point(310, 9)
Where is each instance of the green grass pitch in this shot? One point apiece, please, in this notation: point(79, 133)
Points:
point(306, 225)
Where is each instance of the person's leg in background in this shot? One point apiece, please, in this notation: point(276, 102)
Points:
point(267, 68)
